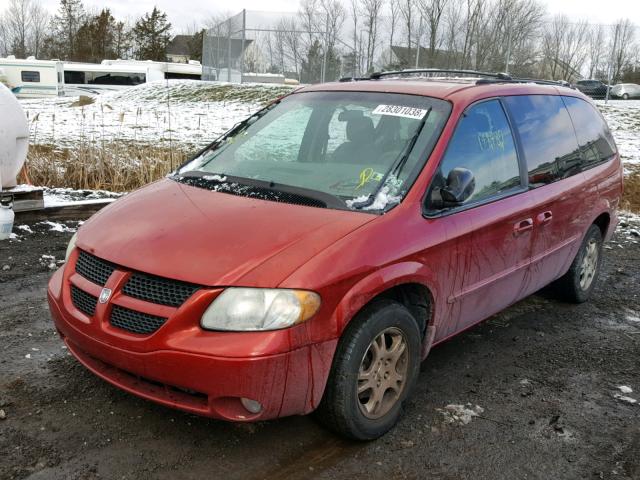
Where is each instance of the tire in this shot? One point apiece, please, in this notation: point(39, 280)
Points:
point(578, 283)
point(364, 360)
point(625, 96)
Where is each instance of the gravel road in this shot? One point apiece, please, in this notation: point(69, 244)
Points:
point(537, 384)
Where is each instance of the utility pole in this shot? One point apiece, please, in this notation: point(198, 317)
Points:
point(508, 59)
point(613, 55)
point(418, 44)
point(324, 57)
point(244, 37)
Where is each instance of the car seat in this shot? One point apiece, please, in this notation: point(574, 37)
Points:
point(360, 137)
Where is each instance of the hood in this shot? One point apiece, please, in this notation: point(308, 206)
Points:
point(217, 239)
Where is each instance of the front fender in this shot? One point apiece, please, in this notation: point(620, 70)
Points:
point(379, 281)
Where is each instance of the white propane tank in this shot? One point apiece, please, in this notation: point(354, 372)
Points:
point(14, 138)
point(6, 218)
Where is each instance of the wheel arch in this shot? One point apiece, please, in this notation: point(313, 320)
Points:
point(409, 283)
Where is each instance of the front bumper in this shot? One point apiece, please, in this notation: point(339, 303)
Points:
point(166, 370)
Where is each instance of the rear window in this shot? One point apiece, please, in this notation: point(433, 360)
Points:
point(30, 76)
point(546, 133)
point(594, 138)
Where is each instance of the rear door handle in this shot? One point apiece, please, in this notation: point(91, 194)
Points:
point(544, 217)
point(523, 226)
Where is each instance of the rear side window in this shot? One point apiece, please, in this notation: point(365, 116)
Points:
point(28, 76)
point(594, 137)
point(546, 133)
point(483, 143)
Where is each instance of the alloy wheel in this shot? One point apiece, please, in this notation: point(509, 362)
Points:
point(589, 265)
point(383, 373)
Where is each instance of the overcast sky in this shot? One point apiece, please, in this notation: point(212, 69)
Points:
point(183, 13)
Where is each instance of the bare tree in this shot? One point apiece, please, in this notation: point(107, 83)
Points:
point(407, 8)
point(596, 49)
point(4, 36)
point(564, 51)
point(394, 11)
point(622, 43)
point(39, 27)
point(332, 15)
point(308, 15)
point(432, 11)
point(371, 12)
point(354, 12)
point(19, 22)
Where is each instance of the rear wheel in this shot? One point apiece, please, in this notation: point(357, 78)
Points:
point(578, 283)
point(374, 370)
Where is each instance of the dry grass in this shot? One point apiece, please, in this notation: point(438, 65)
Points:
point(116, 166)
point(631, 197)
point(121, 166)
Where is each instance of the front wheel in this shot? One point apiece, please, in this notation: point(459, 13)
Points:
point(578, 283)
point(374, 370)
point(625, 96)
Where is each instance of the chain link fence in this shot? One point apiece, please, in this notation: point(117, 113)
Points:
point(255, 46)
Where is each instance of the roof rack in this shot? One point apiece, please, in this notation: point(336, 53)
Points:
point(472, 73)
point(487, 77)
point(557, 83)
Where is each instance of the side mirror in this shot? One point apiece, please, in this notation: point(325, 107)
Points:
point(460, 185)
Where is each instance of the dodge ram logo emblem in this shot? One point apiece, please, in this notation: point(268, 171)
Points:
point(105, 294)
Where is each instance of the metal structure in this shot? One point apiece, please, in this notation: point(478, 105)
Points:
point(259, 46)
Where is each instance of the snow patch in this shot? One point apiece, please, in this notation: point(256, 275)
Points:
point(383, 199)
point(460, 414)
point(624, 398)
point(57, 227)
point(48, 261)
point(215, 178)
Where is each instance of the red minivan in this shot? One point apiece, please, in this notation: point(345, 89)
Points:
point(311, 257)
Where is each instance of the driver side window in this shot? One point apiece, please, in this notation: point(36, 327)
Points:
point(483, 145)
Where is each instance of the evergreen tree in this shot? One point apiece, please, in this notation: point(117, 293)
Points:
point(195, 45)
point(96, 38)
point(311, 69)
point(63, 43)
point(151, 34)
point(122, 43)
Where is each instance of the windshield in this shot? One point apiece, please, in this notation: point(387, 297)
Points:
point(354, 150)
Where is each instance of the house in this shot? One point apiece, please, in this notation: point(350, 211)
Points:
point(179, 50)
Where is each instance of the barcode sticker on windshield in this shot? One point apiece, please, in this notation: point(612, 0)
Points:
point(400, 111)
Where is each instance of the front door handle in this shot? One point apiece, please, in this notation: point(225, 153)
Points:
point(523, 226)
point(544, 217)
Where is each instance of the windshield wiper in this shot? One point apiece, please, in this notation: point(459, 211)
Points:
point(396, 167)
point(266, 190)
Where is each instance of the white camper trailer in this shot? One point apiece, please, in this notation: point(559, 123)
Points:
point(184, 71)
point(95, 78)
point(33, 78)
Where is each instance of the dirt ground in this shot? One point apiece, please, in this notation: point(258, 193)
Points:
point(545, 374)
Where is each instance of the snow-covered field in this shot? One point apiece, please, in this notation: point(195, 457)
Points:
point(623, 117)
point(191, 114)
point(187, 113)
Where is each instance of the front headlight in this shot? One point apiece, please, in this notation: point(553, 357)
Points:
point(70, 247)
point(255, 309)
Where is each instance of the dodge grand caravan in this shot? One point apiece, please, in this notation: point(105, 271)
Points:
point(310, 258)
